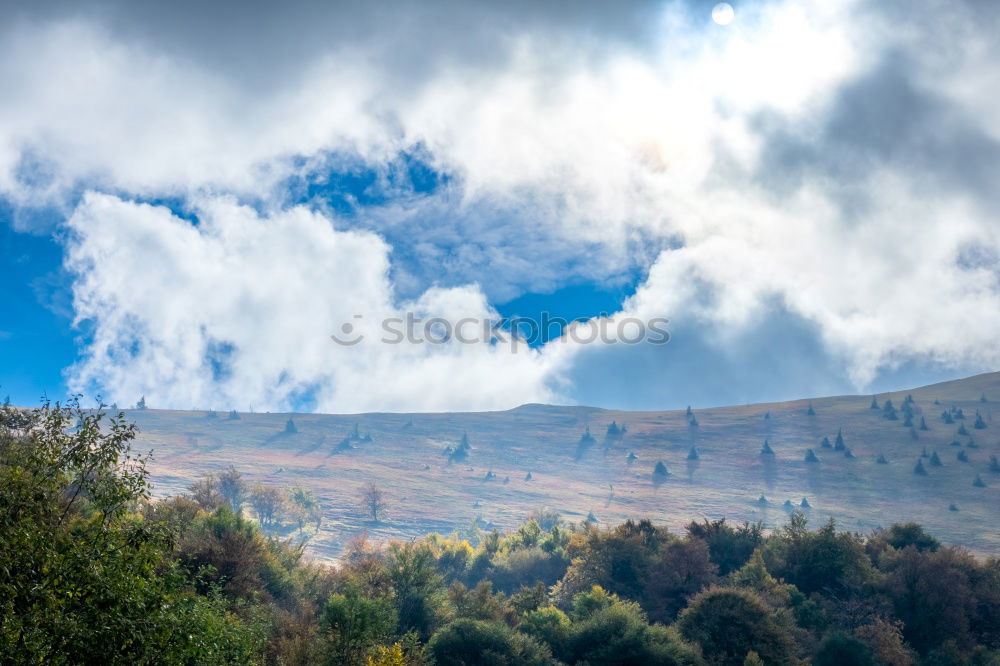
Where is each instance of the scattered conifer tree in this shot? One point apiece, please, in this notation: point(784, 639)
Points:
point(211, 414)
point(908, 420)
point(972, 444)
point(660, 470)
point(923, 424)
point(935, 460)
point(994, 465)
point(693, 454)
point(962, 456)
point(631, 458)
point(919, 469)
point(788, 504)
point(234, 415)
point(980, 424)
point(839, 445)
point(767, 415)
point(882, 459)
point(688, 413)
point(826, 443)
point(528, 477)
point(693, 422)
point(953, 507)
point(591, 518)
point(947, 417)
point(979, 483)
point(762, 500)
point(874, 404)
point(925, 454)
point(848, 453)
point(766, 450)
point(913, 434)
point(805, 503)
point(955, 442)
point(810, 411)
point(889, 411)
point(962, 431)
point(290, 428)
point(982, 398)
point(141, 404)
point(811, 456)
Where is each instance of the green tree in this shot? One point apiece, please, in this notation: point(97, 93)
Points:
point(466, 642)
point(355, 626)
point(82, 578)
point(728, 623)
point(840, 649)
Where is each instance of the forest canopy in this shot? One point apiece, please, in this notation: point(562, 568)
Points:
point(92, 570)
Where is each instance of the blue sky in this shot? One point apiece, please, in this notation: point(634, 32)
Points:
point(805, 194)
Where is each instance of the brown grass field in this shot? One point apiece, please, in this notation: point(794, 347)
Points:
point(427, 493)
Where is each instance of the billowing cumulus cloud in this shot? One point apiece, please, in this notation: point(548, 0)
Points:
point(816, 176)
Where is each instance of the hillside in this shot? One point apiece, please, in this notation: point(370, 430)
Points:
point(407, 456)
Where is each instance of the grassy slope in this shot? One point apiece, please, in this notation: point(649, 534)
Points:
point(726, 481)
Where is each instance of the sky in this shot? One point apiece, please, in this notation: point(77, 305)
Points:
point(194, 197)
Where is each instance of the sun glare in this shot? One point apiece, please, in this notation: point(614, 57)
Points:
point(723, 13)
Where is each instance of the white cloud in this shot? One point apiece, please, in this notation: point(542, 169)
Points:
point(261, 296)
point(570, 158)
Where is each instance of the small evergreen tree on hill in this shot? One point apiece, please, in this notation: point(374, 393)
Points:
point(693, 454)
point(839, 445)
point(660, 470)
point(919, 468)
point(290, 428)
point(826, 443)
point(979, 483)
point(980, 423)
point(923, 424)
point(935, 460)
point(810, 411)
point(889, 411)
point(811, 456)
point(874, 404)
point(766, 450)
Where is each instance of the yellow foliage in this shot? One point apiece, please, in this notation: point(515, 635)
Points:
point(388, 656)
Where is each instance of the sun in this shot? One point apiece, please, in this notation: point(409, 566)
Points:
point(723, 13)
